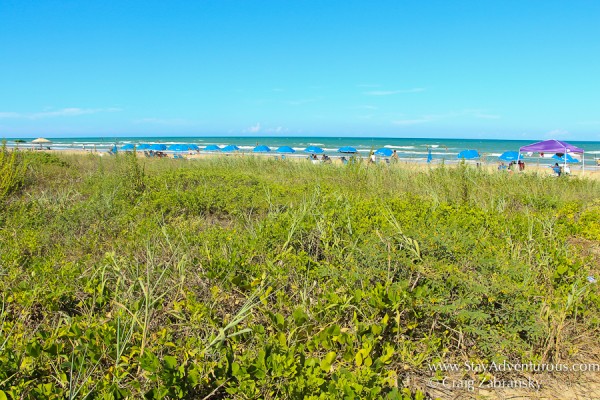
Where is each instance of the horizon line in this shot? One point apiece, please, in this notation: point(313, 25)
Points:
point(283, 137)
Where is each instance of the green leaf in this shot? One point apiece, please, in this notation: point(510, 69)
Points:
point(280, 320)
point(170, 362)
point(328, 361)
point(358, 359)
point(299, 316)
point(150, 362)
point(33, 349)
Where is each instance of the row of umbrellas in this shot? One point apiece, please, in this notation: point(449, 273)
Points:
point(231, 148)
point(383, 152)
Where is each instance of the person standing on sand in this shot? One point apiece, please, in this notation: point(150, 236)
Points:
point(371, 159)
point(395, 156)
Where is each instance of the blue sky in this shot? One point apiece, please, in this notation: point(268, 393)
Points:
point(463, 69)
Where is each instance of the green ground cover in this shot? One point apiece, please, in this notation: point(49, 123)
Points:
point(257, 278)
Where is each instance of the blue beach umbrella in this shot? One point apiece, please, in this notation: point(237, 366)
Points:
point(212, 147)
point(384, 152)
point(285, 149)
point(128, 146)
point(231, 147)
point(261, 149)
point(143, 146)
point(562, 159)
point(158, 147)
point(509, 156)
point(183, 147)
point(314, 150)
point(347, 149)
point(468, 154)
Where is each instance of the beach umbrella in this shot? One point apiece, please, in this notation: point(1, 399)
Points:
point(314, 150)
point(569, 158)
point(183, 147)
point(231, 147)
point(347, 149)
point(212, 147)
point(285, 149)
point(175, 147)
point(41, 141)
point(261, 149)
point(384, 152)
point(143, 146)
point(158, 147)
point(468, 154)
point(429, 156)
point(509, 156)
point(128, 146)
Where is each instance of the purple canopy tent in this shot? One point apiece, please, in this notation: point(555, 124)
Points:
point(554, 146)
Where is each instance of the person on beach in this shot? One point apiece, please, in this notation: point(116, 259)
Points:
point(371, 159)
point(556, 169)
point(395, 156)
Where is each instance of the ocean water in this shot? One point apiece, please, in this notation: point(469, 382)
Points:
point(407, 148)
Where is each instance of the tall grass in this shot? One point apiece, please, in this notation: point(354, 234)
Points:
point(261, 278)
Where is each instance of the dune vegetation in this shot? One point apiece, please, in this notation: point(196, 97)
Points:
point(244, 277)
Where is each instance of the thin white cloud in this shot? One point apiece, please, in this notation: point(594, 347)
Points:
point(9, 114)
point(63, 112)
point(253, 128)
point(392, 92)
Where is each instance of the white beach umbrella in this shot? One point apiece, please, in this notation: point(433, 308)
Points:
point(41, 141)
